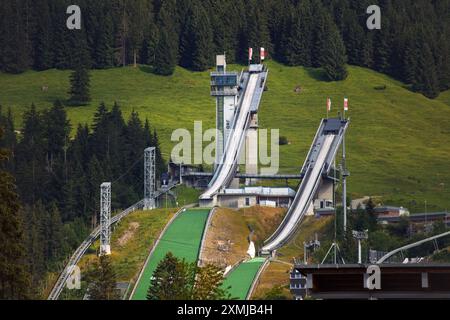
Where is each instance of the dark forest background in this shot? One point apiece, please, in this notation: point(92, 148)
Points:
point(58, 181)
point(413, 44)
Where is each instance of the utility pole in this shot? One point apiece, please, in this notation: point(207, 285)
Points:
point(345, 174)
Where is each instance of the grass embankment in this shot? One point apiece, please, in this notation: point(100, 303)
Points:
point(131, 241)
point(397, 143)
point(277, 273)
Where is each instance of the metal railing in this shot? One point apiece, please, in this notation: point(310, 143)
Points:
point(412, 245)
point(81, 250)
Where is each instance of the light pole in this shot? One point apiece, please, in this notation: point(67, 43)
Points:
point(360, 235)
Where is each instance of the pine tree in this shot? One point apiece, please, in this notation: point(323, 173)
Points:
point(322, 22)
point(43, 55)
point(426, 79)
point(31, 170)
point(14, 51)
point(298, 50)
point(197, 40)
point(104, 50)
point(171, 280)
point(209, 284)
point(334, 56)
point(167, 48)
point(61, 36)
point(103, 280)
point(80, 86)
point(14, 280)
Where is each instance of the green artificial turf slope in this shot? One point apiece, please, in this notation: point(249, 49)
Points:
point(240, 279)
point(182, 238)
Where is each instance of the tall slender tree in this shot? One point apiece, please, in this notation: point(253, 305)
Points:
point(14, 280)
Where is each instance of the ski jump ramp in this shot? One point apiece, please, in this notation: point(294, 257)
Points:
point(253, 88)
point(317, 165)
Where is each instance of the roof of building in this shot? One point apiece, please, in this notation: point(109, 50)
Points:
point(388, 208)
point(260, 191)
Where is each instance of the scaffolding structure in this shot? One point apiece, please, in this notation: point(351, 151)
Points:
point(105, 218)
point(149, 178)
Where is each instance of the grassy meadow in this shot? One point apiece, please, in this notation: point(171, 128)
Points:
point(397, 142)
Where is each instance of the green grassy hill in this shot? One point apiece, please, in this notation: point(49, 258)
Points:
point(397, 144)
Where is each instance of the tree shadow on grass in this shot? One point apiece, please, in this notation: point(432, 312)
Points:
point(147, 69)
point(317, 74)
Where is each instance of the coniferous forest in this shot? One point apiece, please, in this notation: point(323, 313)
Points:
point(413, 44)
point(58, 177)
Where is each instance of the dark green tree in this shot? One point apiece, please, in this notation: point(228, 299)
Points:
point(103, 279)
point(14, 280)
point(43, 55)
point(426, 79)
point(298, 50)
point(14, 51)
point(171, 280)
point(197, 40)
point(334, 56)
point(80, 86)
point(166, 53)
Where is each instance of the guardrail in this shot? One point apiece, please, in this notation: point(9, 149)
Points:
point(75, 258)
point(205, 231)
point(81, 250)
point(256, 279)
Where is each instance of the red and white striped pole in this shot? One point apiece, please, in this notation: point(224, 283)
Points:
point(328, 106)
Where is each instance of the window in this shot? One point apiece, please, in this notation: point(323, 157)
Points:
point(247, 202)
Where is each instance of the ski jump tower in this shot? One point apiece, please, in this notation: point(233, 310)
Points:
point(227, 87)
point(224, 87)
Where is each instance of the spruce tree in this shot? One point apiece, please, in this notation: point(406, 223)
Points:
point(166, 53)
point(79, 86)
point(197, 41)
point(426, 79)
point(171, 280)
point(14, 51)
point(43, 55)
point(104, 50)
point(103, 280)
point(14, 278)
point(334, 57)
point(298, 50)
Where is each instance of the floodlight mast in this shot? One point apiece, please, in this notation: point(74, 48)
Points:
point(360, 235)
point(149, 178)
point(105, 218)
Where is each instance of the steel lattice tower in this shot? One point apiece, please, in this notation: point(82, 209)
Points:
point(149, 178)
point(105, 218)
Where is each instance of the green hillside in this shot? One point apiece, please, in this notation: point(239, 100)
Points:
point(397, 143)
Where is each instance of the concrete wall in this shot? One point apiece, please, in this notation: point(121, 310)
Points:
point(237, 201)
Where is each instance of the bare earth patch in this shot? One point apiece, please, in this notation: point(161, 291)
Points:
point(128, 234)
point(227, 239)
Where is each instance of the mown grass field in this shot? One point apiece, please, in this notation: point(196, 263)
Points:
point(397, 143)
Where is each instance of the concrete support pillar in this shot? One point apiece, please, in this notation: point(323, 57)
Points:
point(251, 150)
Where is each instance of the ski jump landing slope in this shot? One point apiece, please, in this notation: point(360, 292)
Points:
point(182, 237)
point(318, 164)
